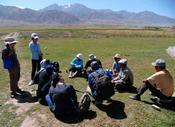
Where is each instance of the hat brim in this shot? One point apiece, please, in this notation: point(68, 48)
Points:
point(153, 64)
point(13, 42)
point(36, 37)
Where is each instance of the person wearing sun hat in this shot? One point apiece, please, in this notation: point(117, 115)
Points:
point(160, 83)
point(11, 63)
point(76, 66)
point(36, 55)
point(92, 58)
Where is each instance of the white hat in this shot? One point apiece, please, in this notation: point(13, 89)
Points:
point(159, 63)
point(92, 56)
point(123, 61)
point(34, 35)
point(10, 40)
point(117, 56)
point(80, 56)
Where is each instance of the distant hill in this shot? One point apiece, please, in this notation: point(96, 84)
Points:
point(29, 16)
point(81, 15)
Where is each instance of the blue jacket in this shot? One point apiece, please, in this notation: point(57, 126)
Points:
point(116, 66)
point(77, 63)
point(35, 50)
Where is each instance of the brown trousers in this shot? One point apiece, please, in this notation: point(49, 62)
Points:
point(14, 75)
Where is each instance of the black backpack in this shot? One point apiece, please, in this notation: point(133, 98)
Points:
point(64, 96)
point(103, 85)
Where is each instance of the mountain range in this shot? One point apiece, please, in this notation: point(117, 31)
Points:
point(78, 14)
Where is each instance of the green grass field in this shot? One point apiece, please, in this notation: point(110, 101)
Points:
point(140, 47)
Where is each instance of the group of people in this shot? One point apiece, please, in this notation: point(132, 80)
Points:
point(101, 83)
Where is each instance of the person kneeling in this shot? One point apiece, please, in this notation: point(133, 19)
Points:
point(62, 99)
point(160, 84)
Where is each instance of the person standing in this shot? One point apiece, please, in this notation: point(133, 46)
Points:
point(11, 63)
point(36, 55)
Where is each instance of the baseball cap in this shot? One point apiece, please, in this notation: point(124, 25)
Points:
point(92, 56)
point(10, 40)
point(123, 61)
point(159, 63)
point(34, 35)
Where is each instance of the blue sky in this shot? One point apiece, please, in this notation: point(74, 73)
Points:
point(162, 7)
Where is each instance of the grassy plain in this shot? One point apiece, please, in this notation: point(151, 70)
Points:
point(139, 46)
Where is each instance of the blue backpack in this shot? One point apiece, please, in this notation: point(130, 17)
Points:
point(7, 63)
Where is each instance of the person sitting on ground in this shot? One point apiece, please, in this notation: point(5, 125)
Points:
point(116, 65)
point(76, 66)
point(44, 81)
point(160, 83)
point(99, 84)
point(92, 58)
point(62, 99)
point(46, 63)
point(11, 63)
point(124, 80)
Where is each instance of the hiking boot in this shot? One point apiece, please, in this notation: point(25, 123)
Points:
point(13, 94)
point(31, 83)
point(135, 97)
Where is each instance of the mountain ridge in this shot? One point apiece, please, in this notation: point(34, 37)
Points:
point(78, 14)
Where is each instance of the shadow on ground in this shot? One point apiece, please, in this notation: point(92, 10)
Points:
point(168, 105)
point(76, 119)
point(121, 89)
point(26, 97)
point(114, 109)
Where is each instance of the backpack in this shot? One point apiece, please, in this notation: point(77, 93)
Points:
point(7, 62)
point(65, 99)
point(103, 85)
point(84, 103)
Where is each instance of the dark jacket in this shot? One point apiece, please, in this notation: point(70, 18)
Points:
point(88, 63)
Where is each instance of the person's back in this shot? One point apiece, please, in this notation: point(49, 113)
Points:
point(45, 79)
point(65, 99)
point(100, 84)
